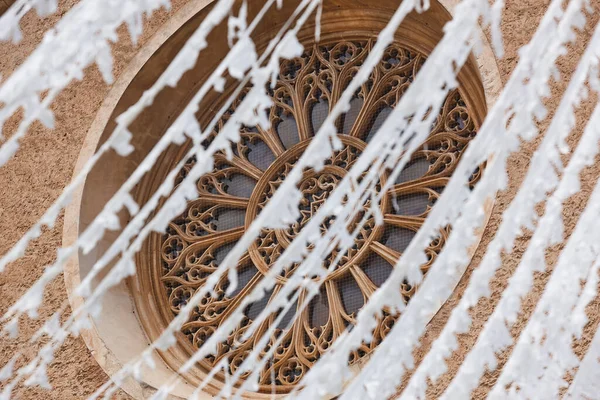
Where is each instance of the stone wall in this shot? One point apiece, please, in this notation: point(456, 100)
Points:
point(31, 181)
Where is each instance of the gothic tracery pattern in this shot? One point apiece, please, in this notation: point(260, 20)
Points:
point(238, 188)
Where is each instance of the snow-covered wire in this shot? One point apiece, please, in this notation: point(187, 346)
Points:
point(281, 47)
point(489, 132)
point(544, 347)
point(324, 142)
point(586, 383)
point(554, 356)
point(82, 37)
point(543, 350)
point(108, 219)
point(520, 213)
point(9, 21)
point(119, 140)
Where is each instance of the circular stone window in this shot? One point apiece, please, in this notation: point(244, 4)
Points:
point(238, 188)
point(171, 266)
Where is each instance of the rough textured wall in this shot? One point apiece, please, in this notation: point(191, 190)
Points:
point(29, 184)
point(520, 20)
point(35, 177)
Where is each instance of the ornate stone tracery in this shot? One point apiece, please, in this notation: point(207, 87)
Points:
point(238, 188)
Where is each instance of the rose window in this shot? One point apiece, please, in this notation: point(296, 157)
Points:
point(236, 191)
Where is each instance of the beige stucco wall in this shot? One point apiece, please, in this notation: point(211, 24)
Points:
point(35, 177)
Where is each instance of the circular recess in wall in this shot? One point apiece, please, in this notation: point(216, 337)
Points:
point(173, 265)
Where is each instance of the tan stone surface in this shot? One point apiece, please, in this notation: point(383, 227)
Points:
point(44, 164)
point(28, 185)
point(520, 21)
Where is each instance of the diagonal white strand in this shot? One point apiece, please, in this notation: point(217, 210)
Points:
point(520, 380)
point(518, 214)
point(579, 317)
point(9, 21)
point(81, 38)
point(119, 140)
point(280, 300)
point(545, 344)
point(495, 336)
point(192, 302)
point(107, 219)
point(586, 384)
point(563, 358)
point(167, 338)
point(493, 124)
point(245, 115)
point(165, 189)
point(390, 150)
